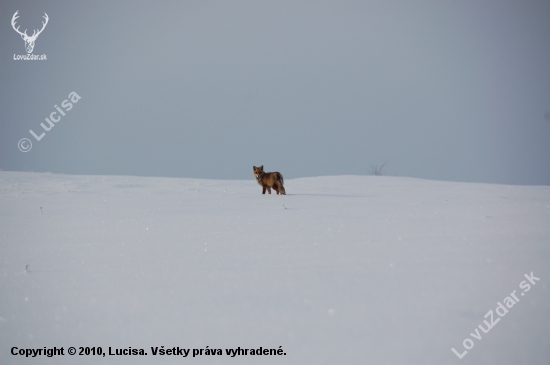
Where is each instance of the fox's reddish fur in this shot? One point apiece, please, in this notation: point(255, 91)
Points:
point(269, 180)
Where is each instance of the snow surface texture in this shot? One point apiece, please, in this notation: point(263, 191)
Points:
point(351, 270)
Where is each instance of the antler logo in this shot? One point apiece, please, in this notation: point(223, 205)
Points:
point(29, 41)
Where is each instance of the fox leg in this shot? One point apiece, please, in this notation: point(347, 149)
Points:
point(269, 189)
point(263, 191)
point(281, 189)
point(276, 189)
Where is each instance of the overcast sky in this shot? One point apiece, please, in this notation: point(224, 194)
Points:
point(450, 90)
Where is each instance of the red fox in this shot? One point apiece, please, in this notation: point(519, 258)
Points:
point(269, 180)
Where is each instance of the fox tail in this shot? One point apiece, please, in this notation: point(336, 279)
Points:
point(281, 179)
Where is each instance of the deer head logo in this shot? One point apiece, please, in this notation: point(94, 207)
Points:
point(29, 41)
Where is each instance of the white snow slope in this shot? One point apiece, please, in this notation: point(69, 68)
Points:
point(351, 270)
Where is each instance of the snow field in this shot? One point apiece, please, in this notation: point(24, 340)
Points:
point(342, 270)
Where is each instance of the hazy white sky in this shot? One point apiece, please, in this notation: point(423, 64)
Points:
point(452, 90)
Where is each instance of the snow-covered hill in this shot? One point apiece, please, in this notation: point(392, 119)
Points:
point(342, 270)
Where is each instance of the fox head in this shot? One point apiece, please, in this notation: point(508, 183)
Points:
point(258, 171)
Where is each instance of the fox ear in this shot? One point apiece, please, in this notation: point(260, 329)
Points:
point(261, 167)
point(253, 167)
